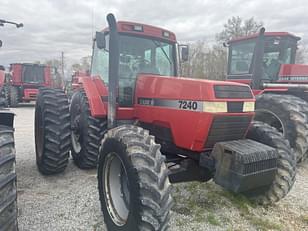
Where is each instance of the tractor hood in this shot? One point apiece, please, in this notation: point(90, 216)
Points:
point(175, 88)
point(205, 111)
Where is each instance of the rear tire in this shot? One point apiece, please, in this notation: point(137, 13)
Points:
point(52, 131)
point(13, 96)
point(285, 176)
point(138, 195)
point(288, 114)
point(87, 132)
point(8, 194)
point(5, 94)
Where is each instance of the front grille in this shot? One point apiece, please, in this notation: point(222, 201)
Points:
point(226, 128)
point(232, 92)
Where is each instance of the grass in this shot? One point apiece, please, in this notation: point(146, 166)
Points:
point(239, 201)
point(204, 199)
point(264, 224)
point(304, 218)
point(211, 219)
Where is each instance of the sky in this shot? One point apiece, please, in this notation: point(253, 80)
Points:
point(52, 26)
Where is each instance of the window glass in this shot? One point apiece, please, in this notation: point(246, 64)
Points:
point(277, 51)
point(100, 62)
point(241, 57)
point(138, 55)
point(162, 61)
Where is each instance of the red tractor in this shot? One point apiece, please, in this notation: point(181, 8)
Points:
point(144, 127)
point(266, 61)
point(8, 191)
point(26, 78)
point(73, 83)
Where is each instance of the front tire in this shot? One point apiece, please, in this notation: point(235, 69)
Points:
point(52, 131)
point(87, 132)
point(285, 176)
point(133, 182)
point(8, 193)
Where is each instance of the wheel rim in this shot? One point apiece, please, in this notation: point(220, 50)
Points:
point(116, 189)
point(39, 132)
point(75, 134)
point(75, 141)
point(272, 119)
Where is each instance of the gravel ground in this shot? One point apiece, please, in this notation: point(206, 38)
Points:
point(69, 201)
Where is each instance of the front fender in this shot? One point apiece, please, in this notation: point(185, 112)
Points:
point(92, 88)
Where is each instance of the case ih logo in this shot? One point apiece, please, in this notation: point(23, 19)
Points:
point(294, 78)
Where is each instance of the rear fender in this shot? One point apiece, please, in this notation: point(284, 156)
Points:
point(270, 90)
point(7, 118)
point(92, 89)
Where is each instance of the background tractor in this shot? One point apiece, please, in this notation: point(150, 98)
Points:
point(25, 79)
point(266, 61)
point(8, 191)
point(73, 83)
point(147, 127)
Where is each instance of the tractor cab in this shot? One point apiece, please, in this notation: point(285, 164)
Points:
point(276, 49)
point(143, 49)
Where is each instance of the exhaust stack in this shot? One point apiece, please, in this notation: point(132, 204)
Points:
point(113, 79)
point(257, 71)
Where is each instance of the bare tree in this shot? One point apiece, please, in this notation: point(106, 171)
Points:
point(236, 27)
point(205, 62)
point(301, 56)
point(54, 63)
point(83, 65)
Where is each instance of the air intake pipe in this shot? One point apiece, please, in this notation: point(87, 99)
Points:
point(113, 79)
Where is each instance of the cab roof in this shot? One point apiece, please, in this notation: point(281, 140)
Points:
point(267, 34)
point(144, 30)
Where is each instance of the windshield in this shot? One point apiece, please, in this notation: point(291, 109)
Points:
point(33, 74)
point(241, 57)
point(137, 55)
point(277, 51)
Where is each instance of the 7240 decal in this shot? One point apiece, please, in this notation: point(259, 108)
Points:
point(188, 105)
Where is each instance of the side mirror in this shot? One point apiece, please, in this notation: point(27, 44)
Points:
point(0, 43)
point(184, 52)
point(19, 25)
point(100, 40)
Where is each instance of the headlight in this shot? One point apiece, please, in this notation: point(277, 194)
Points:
point(215, 107)
point(249, 106)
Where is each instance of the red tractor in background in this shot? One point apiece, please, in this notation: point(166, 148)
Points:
point(25, 79)
point(8, 188)
point(73, 83)
point(266, 61)
point(146, 127)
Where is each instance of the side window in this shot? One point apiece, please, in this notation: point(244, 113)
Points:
point(100, 62)
point(147, 55)
point(241, 57)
